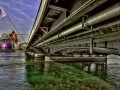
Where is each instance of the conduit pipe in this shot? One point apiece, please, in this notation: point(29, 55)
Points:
point(110, 12)
point(76, 14)
point(89, 31)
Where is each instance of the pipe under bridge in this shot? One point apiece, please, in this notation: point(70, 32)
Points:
point(76, 27)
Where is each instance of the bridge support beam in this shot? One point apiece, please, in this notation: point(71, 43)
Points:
point(37, 52)
point(89, 64)
point(91, 46)
point(33, 54)
point(79, 59)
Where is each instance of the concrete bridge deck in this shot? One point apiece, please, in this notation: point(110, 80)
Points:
point(74, 27)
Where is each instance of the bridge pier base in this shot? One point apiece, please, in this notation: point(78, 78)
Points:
point(32, 54)
point(92, 67)
point(48, 59)
point(47, 64)
point(95, 67)
point(39, 55)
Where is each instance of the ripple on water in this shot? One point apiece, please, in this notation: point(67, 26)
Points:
point(13, 72)
point(113, 70)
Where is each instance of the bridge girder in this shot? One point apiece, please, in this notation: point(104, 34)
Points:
point(74, 25)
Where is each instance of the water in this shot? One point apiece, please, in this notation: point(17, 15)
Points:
point(13, 72)
point(113, 70)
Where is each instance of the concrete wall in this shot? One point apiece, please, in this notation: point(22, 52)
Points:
point(110, 44)
point(114, 44)
point(77, 4)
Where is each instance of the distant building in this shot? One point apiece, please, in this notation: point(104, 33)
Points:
point(5, 42)
point(5, 36)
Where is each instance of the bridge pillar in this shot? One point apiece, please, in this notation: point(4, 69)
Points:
point(91, 46)
point(92, 67)
point(47, 64)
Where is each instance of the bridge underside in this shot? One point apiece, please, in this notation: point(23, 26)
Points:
point(76, 27)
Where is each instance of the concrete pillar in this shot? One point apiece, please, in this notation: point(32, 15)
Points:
point(92, 67)
point(85, 68)
point(47, 64)
point(83, 23)
point(91, 46)
point(105, 44)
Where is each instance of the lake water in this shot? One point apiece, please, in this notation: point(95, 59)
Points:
point(13, 70)
point(113, 70)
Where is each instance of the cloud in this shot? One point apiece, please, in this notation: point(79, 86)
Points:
point(23, 4)
point(18, 11)
point(2, 3)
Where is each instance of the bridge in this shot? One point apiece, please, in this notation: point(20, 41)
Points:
point(74, 28)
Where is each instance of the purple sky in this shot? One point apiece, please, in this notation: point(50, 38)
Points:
point(22, 13)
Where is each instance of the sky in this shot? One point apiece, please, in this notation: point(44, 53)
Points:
point(22, 13)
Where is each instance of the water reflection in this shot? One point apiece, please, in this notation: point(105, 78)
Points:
point(34, 64)
point(12, 72)
point(113, 70)
point(38, 64)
